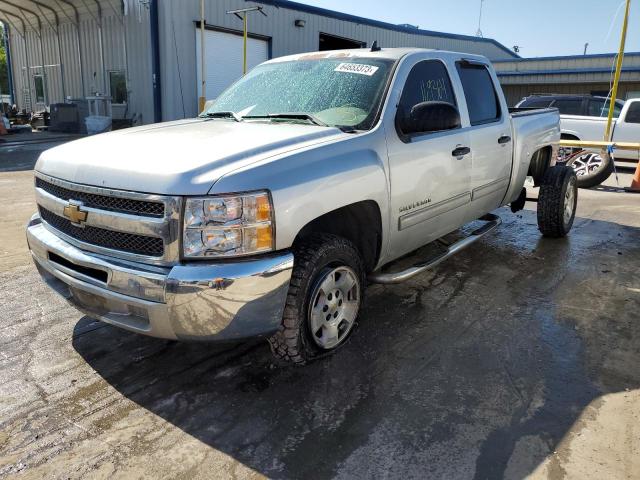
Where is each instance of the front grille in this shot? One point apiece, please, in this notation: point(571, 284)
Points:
point(126, 242)
point(114, 204)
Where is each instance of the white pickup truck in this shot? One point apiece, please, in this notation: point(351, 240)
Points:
point(591, 167)
point(267, 215)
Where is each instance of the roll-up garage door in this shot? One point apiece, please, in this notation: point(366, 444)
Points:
point(223, 52)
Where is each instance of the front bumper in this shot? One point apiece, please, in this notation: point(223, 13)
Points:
point(198, 301)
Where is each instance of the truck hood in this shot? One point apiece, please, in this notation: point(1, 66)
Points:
point(184, 157)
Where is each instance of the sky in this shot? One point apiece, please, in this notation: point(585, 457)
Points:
point(539, 27)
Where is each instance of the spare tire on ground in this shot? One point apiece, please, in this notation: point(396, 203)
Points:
point(592, 168)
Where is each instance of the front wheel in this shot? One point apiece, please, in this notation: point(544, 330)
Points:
point(325, 295)
point(557, 201)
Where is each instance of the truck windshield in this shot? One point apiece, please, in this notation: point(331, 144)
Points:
point(344, 92)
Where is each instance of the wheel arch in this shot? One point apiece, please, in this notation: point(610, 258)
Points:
point(540, 163)
point(350, 222)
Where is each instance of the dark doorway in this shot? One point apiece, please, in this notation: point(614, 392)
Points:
point(331, 42)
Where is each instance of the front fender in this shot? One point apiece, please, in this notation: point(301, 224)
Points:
point(313, 181)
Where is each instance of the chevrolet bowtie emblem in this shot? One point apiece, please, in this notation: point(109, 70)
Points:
point(74, 214)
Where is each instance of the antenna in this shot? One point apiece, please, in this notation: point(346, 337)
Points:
point(479, 32)
point(375, 47)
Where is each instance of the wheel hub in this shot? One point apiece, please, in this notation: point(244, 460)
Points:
point(569, 201)
point(587, 164)
point(334, 308)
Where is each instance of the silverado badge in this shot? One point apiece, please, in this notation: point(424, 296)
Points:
point(74, 214)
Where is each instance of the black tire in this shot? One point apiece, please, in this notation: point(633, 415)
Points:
point(588, 177)
point(558, 193)
point(313, 259)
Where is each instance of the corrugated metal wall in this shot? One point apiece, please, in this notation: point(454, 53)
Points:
point(567, 75)
point(79, 57)
point(178, 43)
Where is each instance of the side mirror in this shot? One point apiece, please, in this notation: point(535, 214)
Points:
point(430, 117)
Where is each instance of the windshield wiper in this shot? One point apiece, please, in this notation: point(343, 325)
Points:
point(293, 116)
point(224, 114)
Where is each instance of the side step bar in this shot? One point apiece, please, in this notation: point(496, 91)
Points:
point(398, 277)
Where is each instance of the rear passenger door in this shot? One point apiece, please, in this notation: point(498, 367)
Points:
point(490, 136)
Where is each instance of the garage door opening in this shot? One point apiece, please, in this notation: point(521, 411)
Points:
point(332, 42)
point(223, 52)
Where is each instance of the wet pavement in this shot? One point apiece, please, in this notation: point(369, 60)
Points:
point(517, 357)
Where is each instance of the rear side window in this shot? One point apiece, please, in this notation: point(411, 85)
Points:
point(569, 106)
point(600, 108)
point(482, 99)
point(428, 81)
point(633, 114)
point(536, 103)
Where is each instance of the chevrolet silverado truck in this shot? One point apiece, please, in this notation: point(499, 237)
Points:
point(591, 167)
point(267, 214)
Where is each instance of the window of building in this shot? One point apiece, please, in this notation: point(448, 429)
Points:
point(569, 106)
point(428, 81)
point(633, 113)
point(38, 83)
point(333, 42)
point(482, 99)
point(118, 87)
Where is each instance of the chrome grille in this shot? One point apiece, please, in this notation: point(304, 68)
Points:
point(134, 226)
point(103, 202)
point(126, 242)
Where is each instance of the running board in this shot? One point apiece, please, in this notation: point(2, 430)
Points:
point(398, 277)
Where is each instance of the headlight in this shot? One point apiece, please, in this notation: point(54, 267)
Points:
point(228, 225)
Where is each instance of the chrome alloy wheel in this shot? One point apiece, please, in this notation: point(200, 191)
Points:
point(334, 307)
point(569, 201)
point(587, 163)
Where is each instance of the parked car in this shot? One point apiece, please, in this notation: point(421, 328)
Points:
point(590, 166)
point(267, 215)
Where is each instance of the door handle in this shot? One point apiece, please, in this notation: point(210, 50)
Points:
point(504, 139)
point(461, 151)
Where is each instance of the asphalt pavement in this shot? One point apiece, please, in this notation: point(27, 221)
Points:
point(518, 357)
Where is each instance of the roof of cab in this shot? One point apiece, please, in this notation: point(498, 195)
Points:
point(383, 53)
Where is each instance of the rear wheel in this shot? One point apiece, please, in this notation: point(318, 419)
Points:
point(557, 201)
point(324, 299)
point(591, 168)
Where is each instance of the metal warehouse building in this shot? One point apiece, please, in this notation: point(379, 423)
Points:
point(581, 74)
point(144, 53)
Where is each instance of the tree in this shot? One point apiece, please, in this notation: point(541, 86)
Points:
point(4, 69)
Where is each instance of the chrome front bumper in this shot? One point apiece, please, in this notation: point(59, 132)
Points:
point(197, 301)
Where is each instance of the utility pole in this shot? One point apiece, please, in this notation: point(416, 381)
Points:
point(616, 78)
point(203, 72)
point(479, 32)
point(242, 15)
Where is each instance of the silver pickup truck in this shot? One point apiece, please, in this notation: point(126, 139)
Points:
point(267, 215)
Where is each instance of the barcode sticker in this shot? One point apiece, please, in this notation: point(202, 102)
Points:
point(359, 68)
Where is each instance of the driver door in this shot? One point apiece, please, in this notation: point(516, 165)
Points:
point(430, 172)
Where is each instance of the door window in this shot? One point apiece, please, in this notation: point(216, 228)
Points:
point(428, 81)
point(38, 83)
point(482, 99)
point(633, 113)
point(569, 106)
point(118, 87)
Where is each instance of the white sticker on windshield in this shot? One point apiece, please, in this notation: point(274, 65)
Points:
point(358, 68)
